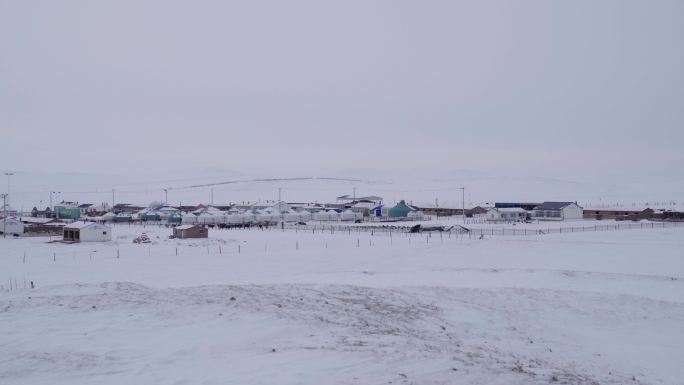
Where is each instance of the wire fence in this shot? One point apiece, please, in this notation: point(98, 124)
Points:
point(492, 231)
point(479, 232)
point(397, 229)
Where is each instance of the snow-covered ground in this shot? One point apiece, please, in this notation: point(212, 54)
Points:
point(274, 307)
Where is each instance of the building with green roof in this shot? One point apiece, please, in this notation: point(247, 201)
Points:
point(401, 210)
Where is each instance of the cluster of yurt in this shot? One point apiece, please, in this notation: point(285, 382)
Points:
point(213, 216)
point(267, 215)
point(188, 219)
point(335, 216)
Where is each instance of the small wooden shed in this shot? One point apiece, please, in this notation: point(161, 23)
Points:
point(190, 231)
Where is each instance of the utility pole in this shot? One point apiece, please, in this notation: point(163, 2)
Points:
point(5, 199)
point(212, 196)
point(463, 203)
point(166, 195)
point(4, 217)
point(113, 199)
point(280, 209)
point(8, 174)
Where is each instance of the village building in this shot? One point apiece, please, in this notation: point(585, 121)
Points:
point(507, 214)
point(451, 211)
point(190, 231)
point(619, 215)
point(126, 208)
point(87, 232)
point(401, 210)
point(67, 210)
point(11, 226)
point(85, 208)
point(529, 206)
point(557, 211)
point(42, 226)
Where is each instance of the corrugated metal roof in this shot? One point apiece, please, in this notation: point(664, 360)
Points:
point(185, 227)
point(510, 209)
point(81, 225)
point(553, 205)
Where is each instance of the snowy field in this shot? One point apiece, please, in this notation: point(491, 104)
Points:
point(273, 307)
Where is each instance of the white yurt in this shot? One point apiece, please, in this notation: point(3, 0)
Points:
point(248, 216)
point(222, 217)
point(281, 206)
point(291, 216)
point(165, 211)
point(188, 219)
point(305, 216)
point(267, 215)
point(234, 219)
point(329, 216)
point(206, 219)
point(347, 215)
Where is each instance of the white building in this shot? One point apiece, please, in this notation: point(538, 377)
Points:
point(557, 211)
point(87, 232)
point(11, 226)
point(506, 214)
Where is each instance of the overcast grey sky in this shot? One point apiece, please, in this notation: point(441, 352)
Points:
point(315, 86)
